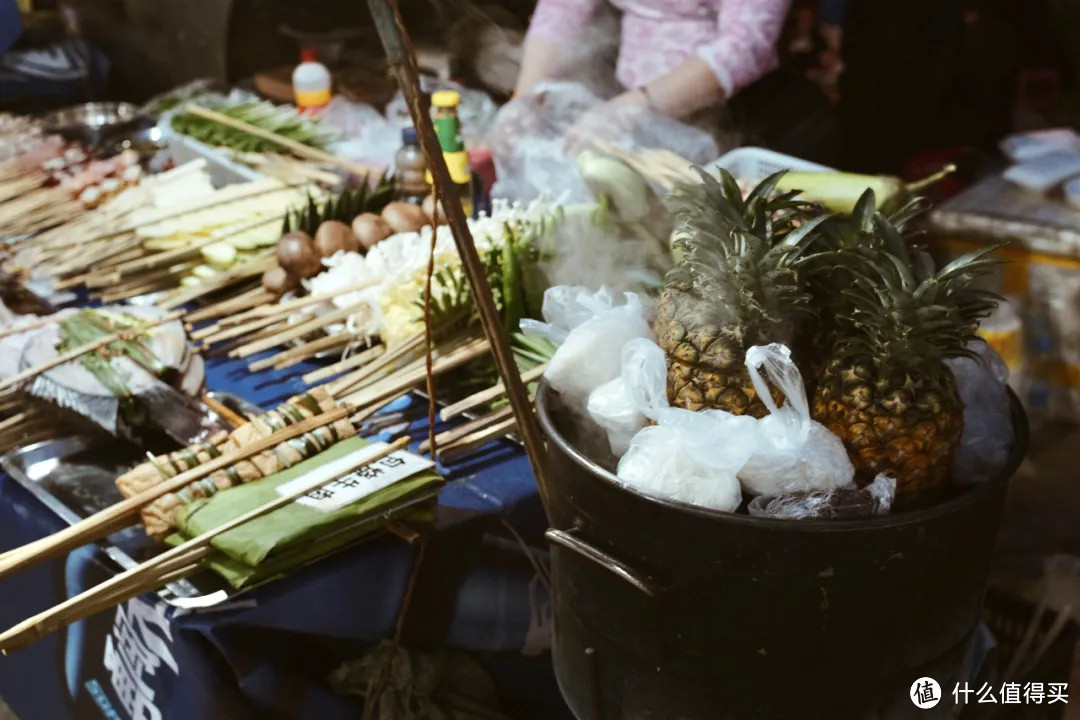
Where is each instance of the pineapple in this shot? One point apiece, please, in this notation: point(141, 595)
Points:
point(735, 285)
point(886, 391)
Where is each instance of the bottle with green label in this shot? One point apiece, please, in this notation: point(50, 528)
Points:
point(448, 130)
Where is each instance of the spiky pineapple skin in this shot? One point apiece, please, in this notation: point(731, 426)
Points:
point(909, 429)
point(705, 364)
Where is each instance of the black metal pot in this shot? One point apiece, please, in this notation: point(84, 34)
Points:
point(665, 610)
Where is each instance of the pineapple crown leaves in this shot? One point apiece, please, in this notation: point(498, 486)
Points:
point(740, 257)
point(910, 323)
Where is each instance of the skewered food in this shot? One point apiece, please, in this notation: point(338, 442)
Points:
point(279, 281)
point(296, 254)
point(405, 217)
point(335, 236)
point(370, 230)
point(159, 516)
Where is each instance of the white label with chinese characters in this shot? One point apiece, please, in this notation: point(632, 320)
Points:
point(356, 484)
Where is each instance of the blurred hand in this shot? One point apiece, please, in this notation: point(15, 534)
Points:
point(607, 121)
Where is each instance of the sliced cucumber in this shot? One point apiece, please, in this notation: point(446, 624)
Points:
point(221, 255)
point(204, 272)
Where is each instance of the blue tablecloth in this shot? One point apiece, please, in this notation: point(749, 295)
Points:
point(269, 649)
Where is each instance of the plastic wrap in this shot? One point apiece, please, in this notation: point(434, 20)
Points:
point(693, 457)
point(535, 139)
point(794, 453)
point(988, 432)
point(591, 331)
point(624, 405)
point(839, 504)
point(367, 136)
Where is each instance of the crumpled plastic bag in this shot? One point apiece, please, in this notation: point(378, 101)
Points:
point(988, 435)
point(846, 503)
point(794, 453)
point(693, 457)
point(528, 139)
point(591, 331)
point(622, 406)
point(367, 136)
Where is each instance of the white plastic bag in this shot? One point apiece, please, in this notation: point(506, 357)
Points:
point(693, 457)
point(623, 406)
point(988, 432)
point(591, 331)
point(528, 139)
point(794, 453)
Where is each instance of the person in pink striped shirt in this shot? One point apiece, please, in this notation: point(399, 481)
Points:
point(676, 57)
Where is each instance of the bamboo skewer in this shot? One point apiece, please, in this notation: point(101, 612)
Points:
point(177, 558)
point(297, 330)
point(292, 356)
point(348, 382)
point(223, 410)
point(484, 396)
point(90, 529)
point(399, 383)
point(450, 452)
point(255, 296)
point(454, 434)
point(161, 258)
point(348, 363)
point(298, 148)
point(35, 325)
point(215, 334)
point(62, 358)
point(254, 267)
point(289, 306)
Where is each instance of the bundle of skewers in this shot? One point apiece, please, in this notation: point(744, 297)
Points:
point(171, 489)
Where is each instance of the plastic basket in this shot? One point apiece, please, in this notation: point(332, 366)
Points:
point(753, 163)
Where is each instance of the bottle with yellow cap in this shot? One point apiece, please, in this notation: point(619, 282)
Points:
point(448, 130)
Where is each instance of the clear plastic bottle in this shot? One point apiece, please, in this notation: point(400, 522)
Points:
point(410, 170)
point(311, 82)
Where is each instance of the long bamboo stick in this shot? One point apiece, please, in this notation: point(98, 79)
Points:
point(298, 148)
point(90, 529)
point(75, 608)
point(161, 258)
point(480, 423)
point(484, 396)
point(348, 363)
point(294, 355)
point(240, 273)
point(289, 306)
point(255, 296)
point(70, 355)
point(402, 62)
point(453, 451)
point(348, 382)
point(298, 330)
point(401, 382)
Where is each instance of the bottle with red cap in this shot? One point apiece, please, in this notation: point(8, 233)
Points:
point(311, 82)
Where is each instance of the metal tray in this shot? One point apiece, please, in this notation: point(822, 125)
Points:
point(73, 477)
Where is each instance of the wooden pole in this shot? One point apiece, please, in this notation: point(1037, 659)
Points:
point(402, 62)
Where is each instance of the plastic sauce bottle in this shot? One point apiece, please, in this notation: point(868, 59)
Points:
point(410, 170)
point(311, 82)
point(448, 129)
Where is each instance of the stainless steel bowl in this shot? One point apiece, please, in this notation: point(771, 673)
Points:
point(91, 122)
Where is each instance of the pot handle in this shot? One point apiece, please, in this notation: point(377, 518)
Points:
point(572, 542)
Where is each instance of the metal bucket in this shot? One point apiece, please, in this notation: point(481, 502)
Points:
point(665, 610)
